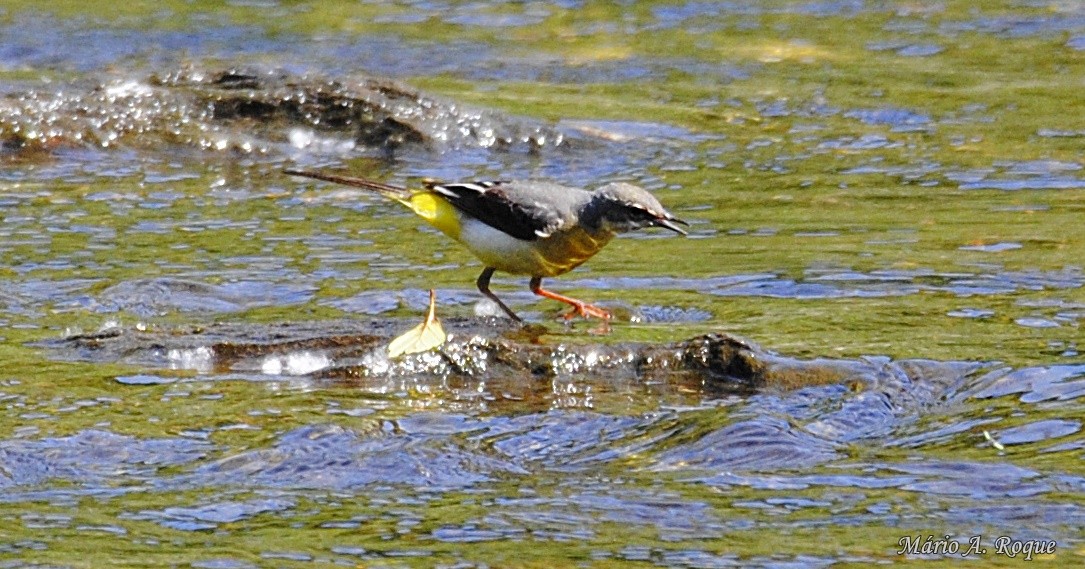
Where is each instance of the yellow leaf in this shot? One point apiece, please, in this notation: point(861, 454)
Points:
point(426, 336)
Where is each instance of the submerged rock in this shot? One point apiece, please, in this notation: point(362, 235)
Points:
point(767, 411)
point(477, 349)
point(253, 111)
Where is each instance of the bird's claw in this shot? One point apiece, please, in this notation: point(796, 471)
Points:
point(585, 310)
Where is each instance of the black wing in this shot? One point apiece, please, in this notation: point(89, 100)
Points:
point(509, 207)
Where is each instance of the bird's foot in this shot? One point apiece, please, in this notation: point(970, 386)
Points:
point(580, 308)
point(585, 310)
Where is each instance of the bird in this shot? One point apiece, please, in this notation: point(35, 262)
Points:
point(536, 228)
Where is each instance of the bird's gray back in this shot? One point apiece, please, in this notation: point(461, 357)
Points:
point(525, 209)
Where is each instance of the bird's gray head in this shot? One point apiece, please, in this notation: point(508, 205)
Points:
point(621, 207)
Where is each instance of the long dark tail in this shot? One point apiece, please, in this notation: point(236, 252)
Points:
point(389, 190)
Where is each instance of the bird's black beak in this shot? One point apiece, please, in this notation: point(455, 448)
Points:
point(671, 224)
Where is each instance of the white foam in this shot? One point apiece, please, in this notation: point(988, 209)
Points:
point(199, 359)
point(295, 363)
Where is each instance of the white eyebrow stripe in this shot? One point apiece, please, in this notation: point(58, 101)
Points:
point(450, 189)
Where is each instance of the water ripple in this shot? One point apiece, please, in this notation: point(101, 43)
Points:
point(210, 516)
point(93, 457)
point(329, 456)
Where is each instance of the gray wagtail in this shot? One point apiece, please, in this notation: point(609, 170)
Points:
point(531, 228)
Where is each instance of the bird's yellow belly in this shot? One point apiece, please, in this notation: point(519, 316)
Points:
point(550, 256)
point(545, 257)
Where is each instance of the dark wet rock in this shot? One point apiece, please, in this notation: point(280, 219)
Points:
point(797, 413)
point(478, 349)
point(782, 412)
point(483, 349)
point(253, 111)
point(221, 347)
